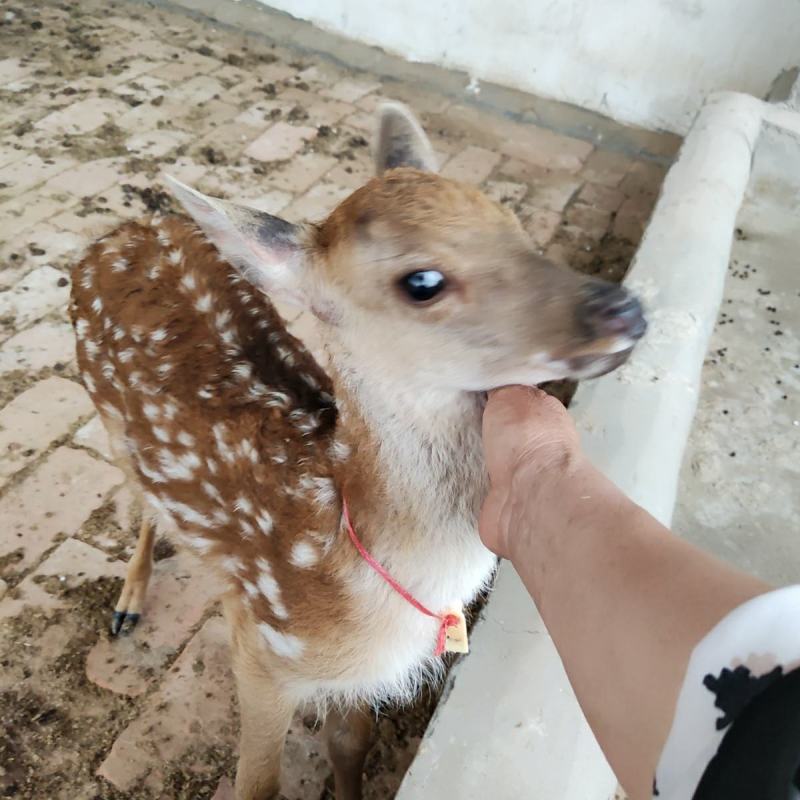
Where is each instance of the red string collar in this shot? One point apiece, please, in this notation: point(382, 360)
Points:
point(445, 620)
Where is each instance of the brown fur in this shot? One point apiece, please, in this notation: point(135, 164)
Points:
point(139, 305)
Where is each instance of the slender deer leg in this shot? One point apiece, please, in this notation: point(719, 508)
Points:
point(265, 711)
point(131, 599)
point(349, 737)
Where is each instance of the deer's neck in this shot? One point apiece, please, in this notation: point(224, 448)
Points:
point(416, 480)
point(424, 446)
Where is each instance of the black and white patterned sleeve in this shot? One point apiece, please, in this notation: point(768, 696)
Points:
point(736, 731)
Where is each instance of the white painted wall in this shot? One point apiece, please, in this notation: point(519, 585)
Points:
point(648, 62)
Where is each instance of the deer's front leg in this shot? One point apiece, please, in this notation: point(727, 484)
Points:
point(131, 599)
point(349, 737)
point(265, 710)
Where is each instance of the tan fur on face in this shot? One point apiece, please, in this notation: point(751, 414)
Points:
point(507, 312)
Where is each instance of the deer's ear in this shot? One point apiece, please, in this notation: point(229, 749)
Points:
point(267, 250)
point(400, 141)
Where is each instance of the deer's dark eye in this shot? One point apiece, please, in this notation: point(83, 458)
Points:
point(423, 285)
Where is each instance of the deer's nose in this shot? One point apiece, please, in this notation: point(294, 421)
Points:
point(609, 310)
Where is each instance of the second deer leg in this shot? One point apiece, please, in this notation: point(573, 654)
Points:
point(349, 737)
point(266, 711)
point(131, 599)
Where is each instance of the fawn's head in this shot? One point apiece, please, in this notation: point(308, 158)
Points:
point(428, 278)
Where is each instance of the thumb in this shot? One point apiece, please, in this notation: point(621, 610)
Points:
point(490, 524)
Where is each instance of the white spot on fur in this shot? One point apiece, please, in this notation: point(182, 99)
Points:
point(200, 544)
point(81, 328)
point(163, 238)
point(243, 371)
point(270, 589)
point(305, 423)
point(310, 380)
point(264, 521)
point(97, 305)
point(233, 564)
point(228, 336)
point(111, 411)
point(246, 450)
point(220, 517)
point(203, 303)
point(223, 319)
point(188, 514)
point(277, 399)
point(155, 503)
point(92, 348)
point(211, 491)
point(323, 489)
point(189, 282)
point(282, 644)
point(186, 439)
point(224, 450)
point(118, 333)
point(285, 355)
point(169, 409)
point(149, 389)
point(158, 335)
point(175, 256)
point(162, 434)
point(87, 278)
point(151, 474)
point(243, 505)
point(151, 410)
point(257, 389)
point(120, 265)
point(250, 588)
point(125, 356)
point(178, 468)
point(303, 555)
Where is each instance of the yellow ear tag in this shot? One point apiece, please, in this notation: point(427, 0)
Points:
point(456, 640)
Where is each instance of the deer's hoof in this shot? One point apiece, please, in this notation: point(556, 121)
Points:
point(123, 623)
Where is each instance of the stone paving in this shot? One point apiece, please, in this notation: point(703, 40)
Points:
point(97, 100)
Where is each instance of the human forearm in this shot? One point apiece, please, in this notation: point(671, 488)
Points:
point(624, 600)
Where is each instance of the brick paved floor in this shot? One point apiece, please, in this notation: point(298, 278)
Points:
point(98, 98)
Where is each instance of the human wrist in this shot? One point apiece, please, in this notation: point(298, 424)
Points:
point(540, 500)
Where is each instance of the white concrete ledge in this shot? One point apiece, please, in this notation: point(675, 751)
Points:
point(635, 421)
point(510, 726)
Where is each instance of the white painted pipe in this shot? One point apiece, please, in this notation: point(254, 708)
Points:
point(635, 422)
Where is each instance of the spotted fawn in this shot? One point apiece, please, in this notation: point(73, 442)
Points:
point(426, 295)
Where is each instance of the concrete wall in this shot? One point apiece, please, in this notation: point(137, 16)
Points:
point(647, 62)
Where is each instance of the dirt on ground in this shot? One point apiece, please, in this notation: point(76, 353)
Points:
point(59, 726)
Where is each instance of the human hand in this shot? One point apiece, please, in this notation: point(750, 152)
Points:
point(531, 445)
